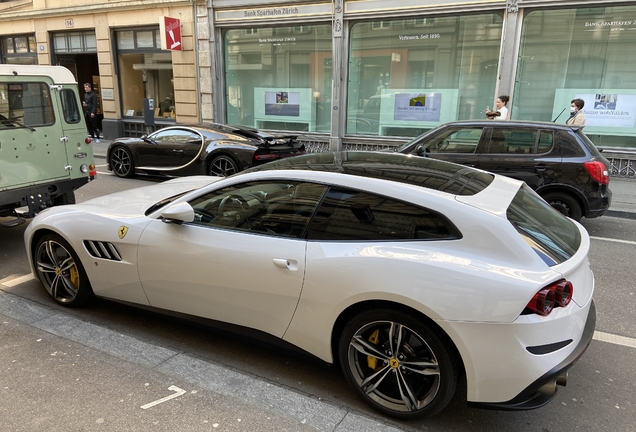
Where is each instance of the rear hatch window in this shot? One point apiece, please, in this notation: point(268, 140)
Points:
point(554, 237)
point(590, 146)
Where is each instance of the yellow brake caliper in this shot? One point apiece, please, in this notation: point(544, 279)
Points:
point(372, 362)
point(74, 274)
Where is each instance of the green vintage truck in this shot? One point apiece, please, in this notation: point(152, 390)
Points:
point(44, 150)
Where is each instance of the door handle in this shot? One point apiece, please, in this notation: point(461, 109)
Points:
point(177, 151)
point(540, 168)
point(286, 263)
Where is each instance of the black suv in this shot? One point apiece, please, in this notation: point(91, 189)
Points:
point(558, 161)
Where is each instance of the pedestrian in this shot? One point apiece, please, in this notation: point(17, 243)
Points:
point(501, 111)
point(577, 118)
point(90, 111)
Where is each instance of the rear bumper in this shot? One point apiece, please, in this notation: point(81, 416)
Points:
point(600, 204)
point(541, 391)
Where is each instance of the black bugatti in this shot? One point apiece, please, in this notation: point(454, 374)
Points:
point(212, 149)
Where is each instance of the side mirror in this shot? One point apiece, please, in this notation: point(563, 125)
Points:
point(420, 151)
point(178, 213)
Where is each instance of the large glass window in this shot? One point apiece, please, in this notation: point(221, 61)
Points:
point(409, 75)
point(279, 77)
point(19, 50)
point(145, 72)
point(580, 53)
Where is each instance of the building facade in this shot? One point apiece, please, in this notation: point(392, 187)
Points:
point(116, 47)
point(344, 73)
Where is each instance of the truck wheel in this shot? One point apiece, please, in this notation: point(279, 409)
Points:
point(64, 199)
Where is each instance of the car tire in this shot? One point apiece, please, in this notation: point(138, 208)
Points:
point(64, 199)
point(565, 204)
point(223, 166)
point(398, 385)
point(61, 272)
point(121, 162)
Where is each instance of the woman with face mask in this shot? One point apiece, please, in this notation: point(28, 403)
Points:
point(577, 118)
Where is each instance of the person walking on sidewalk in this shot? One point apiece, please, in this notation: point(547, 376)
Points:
point(90, 111)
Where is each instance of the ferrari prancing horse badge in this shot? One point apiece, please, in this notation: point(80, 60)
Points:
point(122, 231)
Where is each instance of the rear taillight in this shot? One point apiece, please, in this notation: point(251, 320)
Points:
point(598, 171)
point(557, 294)
point(87, 140)
point(266, 157)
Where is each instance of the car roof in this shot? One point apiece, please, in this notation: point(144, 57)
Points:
point(414, 170)
point(513, 123)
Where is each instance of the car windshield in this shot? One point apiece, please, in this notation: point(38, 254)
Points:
point(554, 237)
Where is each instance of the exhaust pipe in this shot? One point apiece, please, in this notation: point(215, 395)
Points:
point(562, 379)
point(549, 388)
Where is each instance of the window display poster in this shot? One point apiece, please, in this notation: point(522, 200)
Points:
point(609, 109)
point(417, 107)
point(282, 103)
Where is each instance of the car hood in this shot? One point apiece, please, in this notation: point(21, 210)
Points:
point(136, 202)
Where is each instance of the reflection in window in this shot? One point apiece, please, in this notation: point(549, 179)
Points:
point(273, 208)
point(455, 140)
point(359, 216)
point(409, 75)
point(279, 77)
point(70, 109)
point(578, 53)
point(25, 104)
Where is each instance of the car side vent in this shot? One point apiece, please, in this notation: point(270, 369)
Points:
point(102, 249)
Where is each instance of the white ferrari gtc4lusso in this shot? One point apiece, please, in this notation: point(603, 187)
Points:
point(408, 272)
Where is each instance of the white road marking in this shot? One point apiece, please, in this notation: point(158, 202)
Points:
point(614, 240)
point(178, 393)
point(615, 339)
point(18, 280)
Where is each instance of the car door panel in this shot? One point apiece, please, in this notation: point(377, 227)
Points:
point(240, 278)
point(513, 152)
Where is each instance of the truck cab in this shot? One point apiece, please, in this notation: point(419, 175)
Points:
point(45, 154)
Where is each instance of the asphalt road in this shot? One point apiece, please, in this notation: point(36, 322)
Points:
point(94, 368)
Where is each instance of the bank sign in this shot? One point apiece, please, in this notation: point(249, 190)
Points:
point(170, 33)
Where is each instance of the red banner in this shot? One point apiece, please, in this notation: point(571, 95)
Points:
point(170, 34)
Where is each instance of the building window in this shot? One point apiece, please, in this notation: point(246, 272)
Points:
point(19, 50)
point(579, 53)
point(406, 79)
point(279, 77)
point(75, 42)
point(145, 71)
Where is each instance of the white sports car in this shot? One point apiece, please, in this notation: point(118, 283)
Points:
point(409, 272)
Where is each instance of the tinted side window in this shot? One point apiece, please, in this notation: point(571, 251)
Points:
point(455, 140)
point(172, 136)
point(25, 104)
point(359, 216)
point(520, 141)
point(274, 207)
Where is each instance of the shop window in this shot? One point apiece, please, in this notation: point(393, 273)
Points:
point(19, 50)
point(280, 80)
point(404, 80)
point(579, 53)
point(145, 71)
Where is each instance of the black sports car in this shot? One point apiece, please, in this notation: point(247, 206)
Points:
point(213, 149)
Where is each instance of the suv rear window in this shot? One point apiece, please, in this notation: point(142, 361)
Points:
point(554, 237)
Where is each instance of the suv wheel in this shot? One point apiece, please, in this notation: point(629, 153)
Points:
point(565, 204)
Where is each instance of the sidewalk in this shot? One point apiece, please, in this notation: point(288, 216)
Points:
point(623, 189)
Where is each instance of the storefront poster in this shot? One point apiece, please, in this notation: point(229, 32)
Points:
point(609, 109)
point(282, 103)
point(417, 106)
